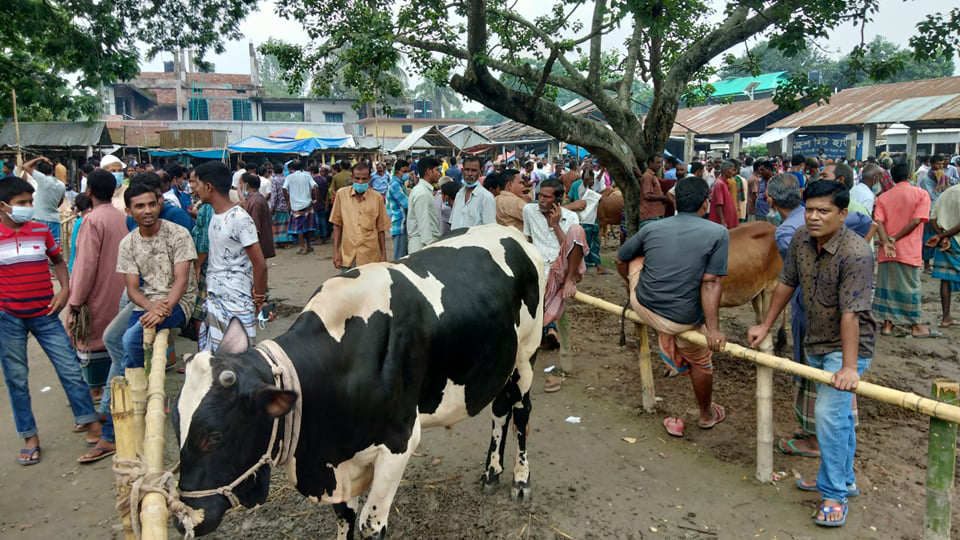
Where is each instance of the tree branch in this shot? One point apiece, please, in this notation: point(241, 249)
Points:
point(625, 87)
point(547, 68)
point(548, 42)
point(596, 40)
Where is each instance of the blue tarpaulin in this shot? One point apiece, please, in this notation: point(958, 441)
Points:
point(287, 146)
point(201, 154)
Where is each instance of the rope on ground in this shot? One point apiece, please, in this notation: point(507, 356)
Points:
point(132, 474)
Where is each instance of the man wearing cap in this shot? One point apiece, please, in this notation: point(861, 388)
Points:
point(114, 166)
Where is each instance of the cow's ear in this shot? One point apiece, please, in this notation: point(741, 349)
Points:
point(235, 339)
point(274, 401)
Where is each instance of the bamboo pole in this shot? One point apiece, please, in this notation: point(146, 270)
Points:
point(563, 329)
point(764, 424)
point(121, 408)
point(647, 391)
point(153, 510)
point(904, 400)
point(137, 381)
point(16, 129)
point(941, 465)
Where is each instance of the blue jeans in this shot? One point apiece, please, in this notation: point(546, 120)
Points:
point(399, 246)
point(54, 227)
point(835, 430)
point(592, 232)
point(133, 337)
point(50, 334)
point(113, 341)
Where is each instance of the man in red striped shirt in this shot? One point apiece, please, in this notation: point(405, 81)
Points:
point(29, 306)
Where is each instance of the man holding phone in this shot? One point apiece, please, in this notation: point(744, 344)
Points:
point(556, 233)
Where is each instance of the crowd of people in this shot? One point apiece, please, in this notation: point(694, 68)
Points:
point(178, 247)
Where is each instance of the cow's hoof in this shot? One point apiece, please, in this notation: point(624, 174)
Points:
point(490, 485)
point(520, 492)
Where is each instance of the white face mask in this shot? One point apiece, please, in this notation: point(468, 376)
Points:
point(20, 214)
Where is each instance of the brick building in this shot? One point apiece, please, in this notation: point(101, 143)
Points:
point(193, 96)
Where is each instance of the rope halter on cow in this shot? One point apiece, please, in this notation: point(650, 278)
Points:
point(285, 377)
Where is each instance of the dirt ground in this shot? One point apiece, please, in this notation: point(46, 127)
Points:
point(616, 474)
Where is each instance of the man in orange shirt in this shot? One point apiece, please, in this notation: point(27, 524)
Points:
point(510, 201)
point(360, 222)
point(900, 214)
point(723, 205)
point(652, 200)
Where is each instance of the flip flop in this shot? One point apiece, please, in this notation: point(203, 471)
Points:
point(852, 489)
point(829, 509)
point(552, 383)
point(932, 335)
point(791, 449)
point(79, 428)
point(95, 455)
point(719, 414)
point(949, 324)
point(674, 426)
point(35, 451)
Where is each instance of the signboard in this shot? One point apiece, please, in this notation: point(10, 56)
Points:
point(833, 145)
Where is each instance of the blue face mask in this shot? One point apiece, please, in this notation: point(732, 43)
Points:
point(20, 214)
point(405, 177)
point(471, 185)
point(118, 176)
point(360, 188)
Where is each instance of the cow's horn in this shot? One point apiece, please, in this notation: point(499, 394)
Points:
point(227, 378)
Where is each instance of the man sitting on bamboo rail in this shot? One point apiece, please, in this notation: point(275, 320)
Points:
point(834, 268)
point(676, 289)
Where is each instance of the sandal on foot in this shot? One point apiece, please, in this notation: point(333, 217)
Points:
point(80, 428)
point(932, 335)
point(674, 426)
point(719, 414)
point(852, 489)
point(829, 509)
point(550, 342)
point(552, 383)
point(789, 447)
point(33, 456)
point(95, 455)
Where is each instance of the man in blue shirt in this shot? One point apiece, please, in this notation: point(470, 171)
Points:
point(671, 171)
point(454, 172)
point(380, 179)
point(397, 208)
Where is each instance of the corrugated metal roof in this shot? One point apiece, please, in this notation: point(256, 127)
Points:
point(926, 102)
point(423, 139)
point(511, 130)
point(721, 119)
point(766, 82)
point(56, 134)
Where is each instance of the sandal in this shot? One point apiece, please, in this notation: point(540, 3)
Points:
point(549, 342)
point(30, 453)
point(719, 414)
point(552, 383)
point(829, 509)
point(95, 455)
point(789, 447)
point(674, 426)
point(852, 489)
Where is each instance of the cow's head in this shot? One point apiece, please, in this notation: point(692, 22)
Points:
point(223, 420)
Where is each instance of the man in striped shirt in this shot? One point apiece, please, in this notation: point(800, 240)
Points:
point(29, 306)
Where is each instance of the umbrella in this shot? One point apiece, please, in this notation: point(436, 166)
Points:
point(294, 133)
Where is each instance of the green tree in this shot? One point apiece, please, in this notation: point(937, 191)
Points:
point(469, 44)
point(486, 116)
point(57, 54)
point(443, 97)
point(272, 78)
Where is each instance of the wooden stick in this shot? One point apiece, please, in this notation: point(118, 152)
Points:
point(904, 400)
point(563, 330)
point(153, 512)
point(647, 391)
point(16, 129)
point(137, 381)
point(941, 464)
point(764, 424)
point(121, 408)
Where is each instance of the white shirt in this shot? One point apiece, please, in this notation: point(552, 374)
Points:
point(298, 185)
point(264, 187)
point(229, 270)
point(544, 239)
point(236, 178)
point(481, 209)
point(423, 226)
point(172, 198)
point(863, 195)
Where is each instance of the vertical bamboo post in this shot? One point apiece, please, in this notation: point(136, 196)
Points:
point(149, 335)
point(137, 381)
point(764, 424)
point(121, 408)
point(16, 128)
point(941, 463)
point(647, 392)
point(153, 513)
point(563, 328)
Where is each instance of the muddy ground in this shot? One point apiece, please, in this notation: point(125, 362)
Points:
point(589, 482)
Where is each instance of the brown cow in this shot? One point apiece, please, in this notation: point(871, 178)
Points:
point(609, 212)
point(753, 266)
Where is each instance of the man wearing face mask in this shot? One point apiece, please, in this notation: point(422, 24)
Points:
point(474, 205)
point(867, 190)
point(360, 223)
point(397, 207)
point(29, 306)
point(114, 166)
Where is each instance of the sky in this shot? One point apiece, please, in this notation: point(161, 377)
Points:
point(896, 21)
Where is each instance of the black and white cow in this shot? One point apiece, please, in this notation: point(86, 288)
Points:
point(380, 352)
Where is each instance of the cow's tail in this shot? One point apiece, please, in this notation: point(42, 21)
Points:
point(781, 341)
point(623, 321)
